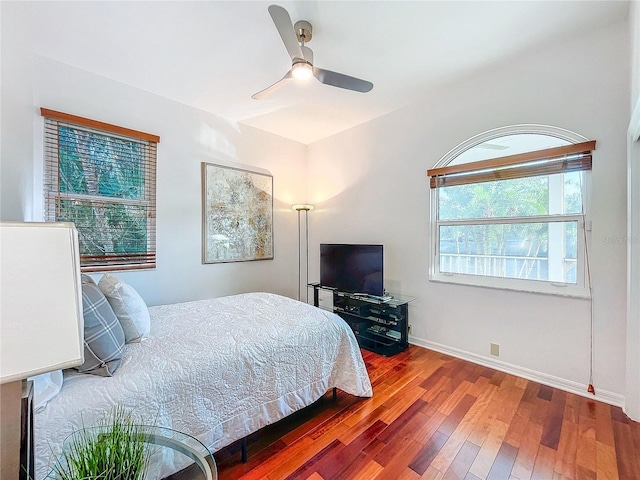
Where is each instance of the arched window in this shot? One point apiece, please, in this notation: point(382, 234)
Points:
point(508, 211)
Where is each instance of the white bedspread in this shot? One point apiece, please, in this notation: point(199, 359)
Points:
point(217, 369)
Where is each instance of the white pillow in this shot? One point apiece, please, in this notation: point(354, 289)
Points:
point(128, 306)
point(45, 387)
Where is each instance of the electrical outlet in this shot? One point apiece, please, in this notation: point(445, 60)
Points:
point(495, 349)
point(410, 327)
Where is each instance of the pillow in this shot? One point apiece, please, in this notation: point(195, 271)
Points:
point(103, 334)
point(45, 387)
point(128, 306)
point(86, 279)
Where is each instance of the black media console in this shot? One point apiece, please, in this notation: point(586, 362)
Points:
point(380, 324)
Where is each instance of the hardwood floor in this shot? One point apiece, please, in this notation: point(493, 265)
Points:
point(437, 417)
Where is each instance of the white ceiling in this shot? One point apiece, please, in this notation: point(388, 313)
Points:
point(214, 55)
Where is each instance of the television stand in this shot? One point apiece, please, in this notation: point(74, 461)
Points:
point(380, 324)
point(367, 296)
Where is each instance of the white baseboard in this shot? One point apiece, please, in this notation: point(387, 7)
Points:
point(544, 378)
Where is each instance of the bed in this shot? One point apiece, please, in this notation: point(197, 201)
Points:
point(216, 369)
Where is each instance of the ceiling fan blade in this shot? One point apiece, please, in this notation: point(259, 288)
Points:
point(342, 81)
point(283, 23)
point(263, 93)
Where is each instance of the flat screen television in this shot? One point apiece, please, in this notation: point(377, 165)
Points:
point(352, 268)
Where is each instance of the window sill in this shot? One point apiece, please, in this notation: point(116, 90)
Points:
point(523, 286)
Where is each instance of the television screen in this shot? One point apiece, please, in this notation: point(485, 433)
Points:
point(352, 268)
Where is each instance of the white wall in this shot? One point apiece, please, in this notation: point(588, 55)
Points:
point(187, 138)
point(632, 397)
point(369, 184)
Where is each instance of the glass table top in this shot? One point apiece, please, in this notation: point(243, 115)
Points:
point(186, 449)
point(392, 299)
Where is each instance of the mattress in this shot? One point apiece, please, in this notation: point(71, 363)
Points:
point(216, 369)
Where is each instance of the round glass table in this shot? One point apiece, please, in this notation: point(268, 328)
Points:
point(183, 448)
point(186, 445)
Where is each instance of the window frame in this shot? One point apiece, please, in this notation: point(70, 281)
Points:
point(581, 289)
point(110, 261)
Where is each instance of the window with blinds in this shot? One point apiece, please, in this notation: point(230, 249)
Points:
point(102, 178)
point(516, 221)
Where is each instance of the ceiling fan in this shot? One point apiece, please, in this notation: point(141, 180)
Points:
point(294, 38)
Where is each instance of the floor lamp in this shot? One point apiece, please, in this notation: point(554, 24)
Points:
point(306, 209)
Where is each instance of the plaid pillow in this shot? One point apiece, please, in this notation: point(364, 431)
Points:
point(103, 334)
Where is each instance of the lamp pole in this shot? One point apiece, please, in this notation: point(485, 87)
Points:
point(303, 208)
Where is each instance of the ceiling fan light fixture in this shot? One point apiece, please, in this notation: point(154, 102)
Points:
point(302, 68)
point(302, 71)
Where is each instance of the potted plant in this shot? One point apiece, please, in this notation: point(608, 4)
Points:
point(116, 449)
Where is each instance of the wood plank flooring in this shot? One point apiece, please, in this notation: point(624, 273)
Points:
point(437, 417)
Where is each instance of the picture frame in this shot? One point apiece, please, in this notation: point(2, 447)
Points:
point(237, 214)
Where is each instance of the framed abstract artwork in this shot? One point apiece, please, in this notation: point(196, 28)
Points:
point(237, 214)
